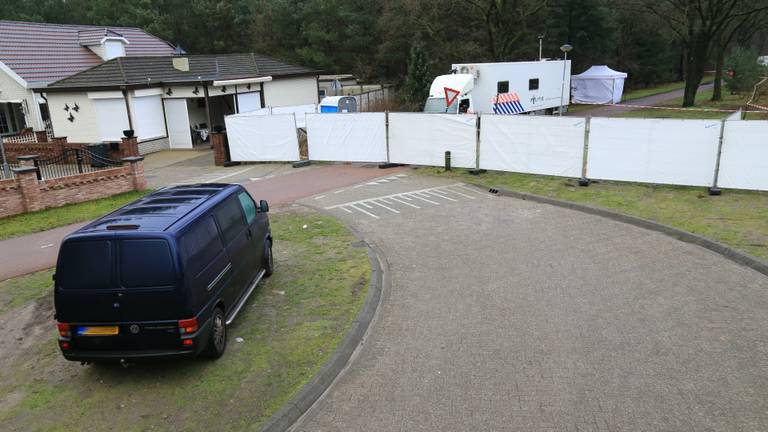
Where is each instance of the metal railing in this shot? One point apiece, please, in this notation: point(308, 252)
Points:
point(73, 162)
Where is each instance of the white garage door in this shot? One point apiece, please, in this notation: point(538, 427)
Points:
point(113, 118)
point(148, 117)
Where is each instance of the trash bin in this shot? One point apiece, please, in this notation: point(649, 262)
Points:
point(101, 153)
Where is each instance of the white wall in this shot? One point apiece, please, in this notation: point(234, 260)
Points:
point(291, 91)
point(85, 128)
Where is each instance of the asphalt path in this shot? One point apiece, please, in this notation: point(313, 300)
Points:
point(503, 314)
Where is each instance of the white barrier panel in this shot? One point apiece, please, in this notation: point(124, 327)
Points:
point(299, 110)
point(680, 152)
point(262, 138)
point(423, 139)
point(744, 159)
point(532, 144)
point(351, 137)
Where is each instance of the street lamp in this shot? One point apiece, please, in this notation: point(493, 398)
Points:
point(565, 49)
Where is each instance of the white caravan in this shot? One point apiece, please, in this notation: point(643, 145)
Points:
point(503, 88)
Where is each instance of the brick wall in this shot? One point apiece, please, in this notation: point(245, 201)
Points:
point(220, 148)
point(26, 193)
point(160, 144)
point(11, 202)
point(128, 147)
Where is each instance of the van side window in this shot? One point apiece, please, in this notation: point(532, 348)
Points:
point(201, 245)
point(249, 207)
point(502, 87)
point(533, 84)
point(146, 263)
point(230, 219)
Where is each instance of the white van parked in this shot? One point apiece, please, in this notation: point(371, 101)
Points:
point(539, 87)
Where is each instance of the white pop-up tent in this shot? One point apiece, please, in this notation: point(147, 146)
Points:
point(598, 84)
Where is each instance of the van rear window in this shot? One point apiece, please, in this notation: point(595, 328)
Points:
point(85, 265)
point(146, 263)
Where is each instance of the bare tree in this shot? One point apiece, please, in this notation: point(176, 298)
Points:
point(699, 25)
point(505, 22)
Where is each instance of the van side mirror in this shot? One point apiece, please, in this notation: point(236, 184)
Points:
point(263, 206)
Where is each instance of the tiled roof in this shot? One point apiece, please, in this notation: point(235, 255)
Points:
point(94, 36)
point(136, 71)
point(43, 53)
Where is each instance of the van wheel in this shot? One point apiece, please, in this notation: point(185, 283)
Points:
point(217, 342)
point(269, 263)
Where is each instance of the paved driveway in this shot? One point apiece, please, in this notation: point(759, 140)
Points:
point(509, 315)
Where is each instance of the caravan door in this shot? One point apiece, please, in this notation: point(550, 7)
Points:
point(177, 119)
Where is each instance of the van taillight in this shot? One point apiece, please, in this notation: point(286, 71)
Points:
point(188, 326)
point(64, 330)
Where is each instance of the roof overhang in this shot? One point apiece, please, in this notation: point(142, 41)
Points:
point(242, 81)
point(14, 75)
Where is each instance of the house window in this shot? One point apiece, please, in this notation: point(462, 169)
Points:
point(502, 87)
point(533, 84)
point(5, 125)
point(322, 93)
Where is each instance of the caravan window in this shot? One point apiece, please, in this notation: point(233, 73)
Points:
point(502, 87)
point(533, 84)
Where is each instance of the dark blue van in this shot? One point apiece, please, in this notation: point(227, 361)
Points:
point(162, 276)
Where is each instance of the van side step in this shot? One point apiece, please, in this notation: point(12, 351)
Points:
point(245, 297)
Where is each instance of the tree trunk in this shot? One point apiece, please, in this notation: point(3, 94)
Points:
point(717, 93)
point(695, 64)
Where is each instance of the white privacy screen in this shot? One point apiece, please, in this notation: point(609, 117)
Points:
point(259, 138)
point(680, 152)
point(744, 160)
point(532, 144)
point(350, 137)
point(423, 139)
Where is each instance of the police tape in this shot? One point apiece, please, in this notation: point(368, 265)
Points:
point(761, 107)
point(676, 108)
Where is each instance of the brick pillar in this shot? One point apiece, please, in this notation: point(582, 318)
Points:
point(220, 150)
point(137, 171)
point(27, 161)
point(41, 136)
point(26, 178)
point(59, 144)
point(129, 147)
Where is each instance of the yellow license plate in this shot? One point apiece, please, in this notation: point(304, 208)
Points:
point(98, 331)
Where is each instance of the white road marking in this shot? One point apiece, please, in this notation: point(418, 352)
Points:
point(424, 199)
point(339, 191)
point(389, 202)
point(388, 208)
point(459, 193)
point(46, 246)
point(439, 194)
point(320, 197)
point(403, 202)
point(363, 211)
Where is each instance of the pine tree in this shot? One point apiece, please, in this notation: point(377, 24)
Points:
point(419, 76)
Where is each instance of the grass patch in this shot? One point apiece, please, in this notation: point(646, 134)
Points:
point(729, 102)
point(28, 223)
point(737, 218)
point(24, 289)
point(290, 327)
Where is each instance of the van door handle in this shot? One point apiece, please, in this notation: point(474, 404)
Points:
point(248, 233)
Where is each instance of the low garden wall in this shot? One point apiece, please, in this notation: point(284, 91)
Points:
point(26, 193)
point(46, 150)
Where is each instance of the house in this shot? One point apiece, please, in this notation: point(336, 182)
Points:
point(33, 55)
point(171, 101)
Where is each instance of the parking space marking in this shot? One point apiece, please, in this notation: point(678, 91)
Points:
point(391, 202)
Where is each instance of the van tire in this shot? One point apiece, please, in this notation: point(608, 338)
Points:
point(217, 340)
point(269, 263)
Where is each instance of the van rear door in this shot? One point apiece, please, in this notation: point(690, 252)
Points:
point(150, 277)
point(85, 286)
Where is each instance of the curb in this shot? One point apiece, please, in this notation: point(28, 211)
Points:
point(294, 409)
point(685, 236)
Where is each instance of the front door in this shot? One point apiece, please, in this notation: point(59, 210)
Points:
point(177, 119)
